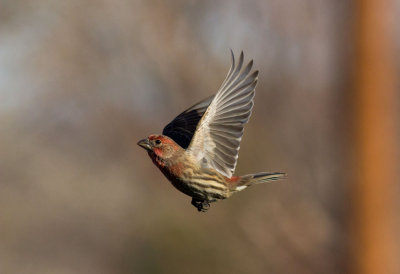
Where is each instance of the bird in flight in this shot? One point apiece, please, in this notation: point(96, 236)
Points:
point(198, 150)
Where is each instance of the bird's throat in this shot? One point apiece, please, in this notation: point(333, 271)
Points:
point(170, 168)
point(157, 160)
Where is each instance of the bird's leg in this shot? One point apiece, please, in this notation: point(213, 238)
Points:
point(201, 205)
point(197, 204)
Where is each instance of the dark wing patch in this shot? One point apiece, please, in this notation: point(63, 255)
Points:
point(182, 128)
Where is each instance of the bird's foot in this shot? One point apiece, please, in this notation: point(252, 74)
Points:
point(201, 205)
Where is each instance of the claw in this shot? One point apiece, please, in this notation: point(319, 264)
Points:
point(202, 206)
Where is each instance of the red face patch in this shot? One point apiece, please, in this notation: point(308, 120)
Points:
point(162, 146)
point(154, 137)
point(163, 139)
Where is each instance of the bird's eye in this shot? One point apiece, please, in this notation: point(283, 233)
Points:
point(158, 142)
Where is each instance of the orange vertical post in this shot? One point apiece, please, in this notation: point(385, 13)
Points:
point(374, 234)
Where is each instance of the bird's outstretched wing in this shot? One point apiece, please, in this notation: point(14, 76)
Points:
point(216, 140)
point(182, 128)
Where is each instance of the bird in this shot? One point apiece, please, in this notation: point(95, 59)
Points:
point(198, 150)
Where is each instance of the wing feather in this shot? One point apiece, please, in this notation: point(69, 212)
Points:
point(182, 128)
point(216, 141)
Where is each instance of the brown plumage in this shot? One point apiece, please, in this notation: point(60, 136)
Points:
point(199, 148)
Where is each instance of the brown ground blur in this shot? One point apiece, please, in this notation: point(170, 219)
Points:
point(82, 81)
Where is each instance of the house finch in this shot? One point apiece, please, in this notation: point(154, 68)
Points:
point(198, 150)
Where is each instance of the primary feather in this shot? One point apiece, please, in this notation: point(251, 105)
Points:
point(216, 141)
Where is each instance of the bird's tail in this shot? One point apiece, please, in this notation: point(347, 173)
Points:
point(258, 178)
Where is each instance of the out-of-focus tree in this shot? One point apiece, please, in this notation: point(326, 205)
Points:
point(376, 189)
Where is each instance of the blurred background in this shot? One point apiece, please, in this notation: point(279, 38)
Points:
point(82, 81)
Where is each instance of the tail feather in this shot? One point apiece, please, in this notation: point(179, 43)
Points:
point(259, 178)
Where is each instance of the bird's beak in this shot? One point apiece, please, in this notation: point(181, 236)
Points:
point(145, 144)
